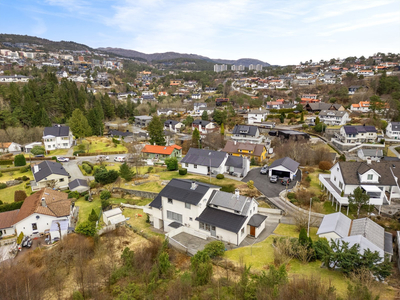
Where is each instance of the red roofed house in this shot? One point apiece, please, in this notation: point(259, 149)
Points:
point(6, 223)
point(362, 106)
point(161, 152)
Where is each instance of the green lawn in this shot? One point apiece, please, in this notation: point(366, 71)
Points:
point(7, 194)
point(138, 220)
point(314, 184)
point(85, 208)
point(58, 152)
point(100, 145)
point(290, 230)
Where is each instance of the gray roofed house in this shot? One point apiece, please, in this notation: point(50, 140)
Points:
point(142, 121)
point(49, 174)
point(334, 117)
point(358, 134)
point(118, 133)
point(57, 131)
point(373, 154)
point(222, 219)
point(247, 134)
point(235, 202)
point(284, 167)
point(334, 225)
point(393, 130)
point(370, 230)
point(57, 137)
point(203, 157)
point(79, 185)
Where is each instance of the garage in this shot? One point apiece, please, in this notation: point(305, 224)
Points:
point(281, 174)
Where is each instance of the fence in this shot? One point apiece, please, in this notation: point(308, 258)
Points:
point(187, 230)
point(8, 241)
point(272, 211)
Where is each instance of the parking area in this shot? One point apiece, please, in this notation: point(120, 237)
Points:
point(261, 182)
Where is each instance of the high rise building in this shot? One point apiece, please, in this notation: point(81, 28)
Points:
point(220, 68)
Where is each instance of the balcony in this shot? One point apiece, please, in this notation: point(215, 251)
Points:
point(333, 190)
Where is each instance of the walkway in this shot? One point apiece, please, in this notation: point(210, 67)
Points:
point(393, 149)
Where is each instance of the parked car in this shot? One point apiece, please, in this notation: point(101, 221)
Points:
point(285, 180)
point(39, 155)
point(63, 159)
point(119, 159)
point(273, 179)
point(102, 157)
point(264, 170)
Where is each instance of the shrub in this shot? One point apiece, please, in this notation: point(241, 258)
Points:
point(86, 228)
point(253, 161)
point(201, 267)
point(250, 184)
point(220, 176)
point(182, 171)
point(125, 172)
point(23, 170)
point(308, 178)
point(37, 150)
point(228, 188)
point(54, 158)
point(105, 204)
point(77, 296)
point(19, 196)
point(215, 248)
point(150, 169)
point(172, 164)
point(320, 127)
point(93, 184)
point(11, 206)
point(1, 174)
point(325, 165)
point(105, 195)
point(19, 160)
point(20, 237)
point(3, 186)
point(74, 194)
point(25, 178)
point(87, 168)
point(86, 197)
point(78, 152)
point(1, 203)
point(88, 163)
point(103, 176)
point(291, 196)
point(116, 142)
point(93, 217)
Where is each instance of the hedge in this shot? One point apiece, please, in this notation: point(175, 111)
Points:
point(6, 162)
point(103, 153)
point(11, 169)
point(11, 206)
point(220, 176)
point(182, 171)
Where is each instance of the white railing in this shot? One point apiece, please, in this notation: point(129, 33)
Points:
point(335, 194)
point(187, 230)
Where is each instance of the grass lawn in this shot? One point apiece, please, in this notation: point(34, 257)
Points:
point(7, 194)
point(290, 230)
point(314, 184)
point(390, 153)
point(58, 152)
point(328, 208)
point(85, 208)
point(138, 220)
point(100, 144)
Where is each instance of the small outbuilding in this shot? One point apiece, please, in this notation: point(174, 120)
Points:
point(113, 217)
point(79, 185)
point(58, 229)
point(284, 167)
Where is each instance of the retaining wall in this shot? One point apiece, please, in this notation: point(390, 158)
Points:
point(136, 193)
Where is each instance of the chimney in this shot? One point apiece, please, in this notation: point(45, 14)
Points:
point(234, 142)
point(369, 160)
point(194, 185)
point(35, 169)
point(237, 193)
point(44, 202)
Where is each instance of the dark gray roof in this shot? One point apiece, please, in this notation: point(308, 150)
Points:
point(388, 243)
point(336, 113)
point(358, 129)
point(372, 152)
point(256, 220)
point(222, 219)
point(114, 132)
point(245, 130)
point(180, 190)
point(395, 126)
point(202, 157)
point(234, 161)
point(77, 182)
point(237, 203)
point(56, 131)
point(171, 122)
point(175, 225)
point(286, 162)
point(47, 168)
point(201, 122)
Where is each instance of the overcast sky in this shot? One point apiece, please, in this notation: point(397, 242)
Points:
point(278, 32)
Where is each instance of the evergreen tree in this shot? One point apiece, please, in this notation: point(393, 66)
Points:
point(95, 119)
point(41, 118)
point(79, 124)
point(358, 199)
point(303, 239)
point(108, 107)
point(125, 172)
point(196, 138)
point(155, 130)
point(204, 116)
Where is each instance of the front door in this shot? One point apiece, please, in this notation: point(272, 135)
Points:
point(213, 232)
point(252, 231)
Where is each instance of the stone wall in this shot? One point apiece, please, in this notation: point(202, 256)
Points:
point(142, 194)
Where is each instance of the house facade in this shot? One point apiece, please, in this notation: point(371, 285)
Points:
point(362, 106)
point(258, 152)
point(202, 209)
point(156, 152)
point(49, 174)
point(142, 121)
point(57, 137)
point(204, 127)
point(284, 167)
point(393, 130)
point(7, 220)
point(247, 134)
point(358, 134)
point(173, 125)
point(10, 147)
point(332, 117)
point(256, 116)
point(378, 179)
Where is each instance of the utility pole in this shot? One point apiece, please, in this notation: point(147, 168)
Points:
point(309, 219)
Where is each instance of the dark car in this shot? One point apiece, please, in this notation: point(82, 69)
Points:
point(273, 179)
point(264, 170)
point(39, 155)
point(285, 180)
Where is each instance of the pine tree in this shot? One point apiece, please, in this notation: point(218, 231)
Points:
point(196, 138)
point(95, 119)
point(125, 172)
point(155, 130)
point(204, 116)
point(108, 107)
point(303, 239)
point(79, 124)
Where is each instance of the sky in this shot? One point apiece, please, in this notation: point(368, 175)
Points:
point(279, 32)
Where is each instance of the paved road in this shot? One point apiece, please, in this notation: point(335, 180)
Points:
point(392, 148)
point(261, 182)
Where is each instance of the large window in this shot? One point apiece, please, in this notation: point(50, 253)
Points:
point(370, 176)
point(174, 216)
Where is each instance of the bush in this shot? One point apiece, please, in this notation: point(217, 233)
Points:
point(215, 249)
point(228, 188)
point(11, 206)
point(3, 186)
point(23, 170)
point(291, 196)
point(19, 160)
point(253, 161)
point(77, 296)
point(78, 152)
point(88, 163)
point(182, 171)
point(93, 217)
point(86, 197)
point(325, 165)
point(220, 176)
point(103, 176)
point(20, 237)
point(172, 164)
point(74, 194)
point(37, 150)
point(125, 172)
point(6, 162)
point(150, 169)
point(87, 168)
point(116, 142)
point(105, 204)
point(105, 195)
point(86, 228)
point(19, 196)
point(250, 184)
point(54, 158)
point(320, 127)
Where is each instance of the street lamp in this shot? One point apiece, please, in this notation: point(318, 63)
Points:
point(209, 156)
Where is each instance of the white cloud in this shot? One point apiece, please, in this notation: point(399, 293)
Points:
point(40, 27)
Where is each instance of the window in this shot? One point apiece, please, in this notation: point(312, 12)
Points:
point(334, 179)
point(34, 226)
point(187, 165)
point(242, 231)
point(174, 216)
point(61, 179)
point(187, 205)
point(190, 219)
point(340, 184)
point(195, 166)
point(201, 225)
point(370, 177)
point(170, 200)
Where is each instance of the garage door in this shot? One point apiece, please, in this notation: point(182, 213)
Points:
point(281, 173)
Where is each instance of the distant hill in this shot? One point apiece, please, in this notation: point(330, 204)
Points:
point(47, 44)
point(174, 55)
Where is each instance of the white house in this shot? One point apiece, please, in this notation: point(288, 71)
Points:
point(173, 125)
point(28, 147)
point(42, 208)
point(165, 111)
point(49, 174)
point(372, 154)
point(334, 117)
point(247, 134)
point(364, 232)
point(375, 178)
point(204, 127)
point(201, 161)
point(256, 116)
point(393, 130)
point(57, 137)
point(365, 73)
point(362, 106)
point(358, 134)
point(284, 167)
point(10, 147)
point(202, 210)
point(7, 220)
point(113, 217)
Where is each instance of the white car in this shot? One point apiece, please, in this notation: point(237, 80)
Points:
point(119, 159)
point(62, 159)
point(102, 157)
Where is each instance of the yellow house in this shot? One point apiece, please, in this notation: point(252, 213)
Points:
point(256, 151)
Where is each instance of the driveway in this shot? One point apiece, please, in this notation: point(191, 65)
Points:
point(270, 190)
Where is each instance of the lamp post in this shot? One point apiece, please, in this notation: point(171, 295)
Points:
point(209, 156)
point(309, 219)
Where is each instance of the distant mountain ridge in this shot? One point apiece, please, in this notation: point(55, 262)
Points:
point(173, 55)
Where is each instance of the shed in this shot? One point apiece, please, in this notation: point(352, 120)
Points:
point(284, 167)
point(113, 216)
point(79, 185)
